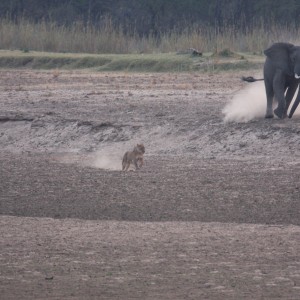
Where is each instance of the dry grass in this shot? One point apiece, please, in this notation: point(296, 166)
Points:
point(80, 38)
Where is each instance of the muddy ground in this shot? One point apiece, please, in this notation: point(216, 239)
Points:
point(213, 214)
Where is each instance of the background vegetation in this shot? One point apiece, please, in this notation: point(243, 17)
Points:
point(146, 26)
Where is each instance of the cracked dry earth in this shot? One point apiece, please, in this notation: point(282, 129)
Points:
point(213, 214)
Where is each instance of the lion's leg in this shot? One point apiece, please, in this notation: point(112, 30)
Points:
point(127, 166)
point(141, 160)
point(124, 161)
point(135, 163)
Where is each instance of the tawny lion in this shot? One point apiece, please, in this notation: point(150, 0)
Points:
point(135, 157)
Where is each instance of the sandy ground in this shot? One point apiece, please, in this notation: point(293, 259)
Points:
point(213, 214)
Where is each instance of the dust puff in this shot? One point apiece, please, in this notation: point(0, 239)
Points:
point(104, 160)
point(107, 161)
point(247, 104)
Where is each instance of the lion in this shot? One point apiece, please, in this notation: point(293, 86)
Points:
point(135, 157)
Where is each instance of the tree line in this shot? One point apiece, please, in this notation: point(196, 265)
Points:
point(154, 17)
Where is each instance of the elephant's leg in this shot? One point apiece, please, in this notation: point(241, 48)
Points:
point(295, 105)
point(279, 89)
point(289, 96)
point(270, 96)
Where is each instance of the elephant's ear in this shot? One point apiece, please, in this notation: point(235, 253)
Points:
point(279, 53)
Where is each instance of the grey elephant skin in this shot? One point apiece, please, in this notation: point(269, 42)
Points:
point(281, 77)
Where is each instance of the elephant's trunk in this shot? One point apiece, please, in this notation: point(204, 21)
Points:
point(294, 107)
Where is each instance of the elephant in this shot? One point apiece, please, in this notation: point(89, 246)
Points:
point(281, 77)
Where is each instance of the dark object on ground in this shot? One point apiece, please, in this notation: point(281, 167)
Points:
point(190, 51)
point(251, 79)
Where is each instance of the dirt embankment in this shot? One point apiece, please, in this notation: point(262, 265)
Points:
point(178, 114)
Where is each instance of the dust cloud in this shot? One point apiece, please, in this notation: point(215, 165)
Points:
point(102, 159)
point(109, 157)
point(250, 103)
point(247, 104)
point(106, 161)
